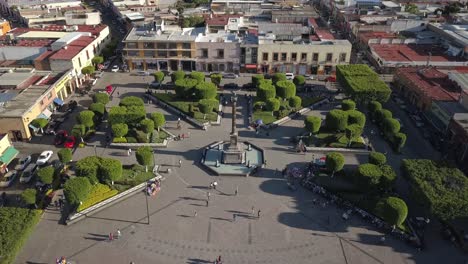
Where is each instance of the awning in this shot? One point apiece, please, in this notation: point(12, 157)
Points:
point(58, 101)
point(35, 129)
point(45, 114)
point(251, 66)
point(8, 155)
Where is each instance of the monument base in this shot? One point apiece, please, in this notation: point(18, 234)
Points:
point(233, 157)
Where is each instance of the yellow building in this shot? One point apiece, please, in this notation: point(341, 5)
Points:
point(4, 27)
point(7, 152)
point(30, 95)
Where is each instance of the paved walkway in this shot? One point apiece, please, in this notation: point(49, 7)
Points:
point(183, 229)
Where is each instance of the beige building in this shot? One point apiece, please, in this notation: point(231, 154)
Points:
point(302, 57)
point(218, 52)
point(27, 95)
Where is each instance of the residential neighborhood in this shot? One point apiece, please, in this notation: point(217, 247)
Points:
point(240, 131)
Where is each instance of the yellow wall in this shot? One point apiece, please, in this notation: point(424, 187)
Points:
point(4, 28)
point(61, 86)
point(4, 143)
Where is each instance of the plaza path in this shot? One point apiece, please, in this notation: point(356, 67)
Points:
point(290, 229)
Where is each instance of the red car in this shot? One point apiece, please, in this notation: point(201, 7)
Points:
point(70, 142)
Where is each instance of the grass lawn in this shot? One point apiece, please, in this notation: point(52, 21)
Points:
point(99, 193)
point(306, 101)
point(265, 116)
point(161, 136)
point(132, 176)
point(184, 106)
point(16, 224)
point(325, 138)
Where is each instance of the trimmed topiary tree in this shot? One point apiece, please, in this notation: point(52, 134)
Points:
point(393, 210)
point(117, 115)
point(102, 98)
point(88, 70)
point(277, 77)
point(273, 105)
point(312, 124)
point(65, 155)
point(97, 60)
point(353, 131)
point(368, 176)
point(266, 91)
point(120, 130)
point(88, 168)
point(216, 78)
point(78, 130)
point(295, 102)
point(381, 115)
point(86, 118)
point(184, 88)
point(285, 89)
point(377, 158)
point(158, 76)
point(147, 125)
point(205, 90)
point(98, 109)
point(256, 79)
point(387, 181)
point(177, 75)
point(399, 139)
point(334, 162)
point(390, 126)
point(199, 76)
point(374, 106)
point(299, 80)
point(40, 122)
point(356, 117)
point(144, 156)
point(110, 170)
point(259, 105)
point(337, 120)
point(76, 190)
point(206, 106)
point(348, 104)
point(131, 101)
point(158, 119)
point(46, 174)
point(28, 196)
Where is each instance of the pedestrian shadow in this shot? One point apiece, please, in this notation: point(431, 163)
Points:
point(197, 205)
point(235, 212)
point(185, 216)
point(191, 198)
point(199, 187)
point(96, 238)
point(221, 219)
point(97, 235)
point(223, 193)
point(118, 153)
point(195, 261)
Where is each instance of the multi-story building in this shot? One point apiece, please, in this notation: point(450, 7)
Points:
point(302, 56)
point(457, 145)
point(158, 47)
point(28, 94)
point(83, 18)
point(239, 6)
point(249, 54)
point(217, 52)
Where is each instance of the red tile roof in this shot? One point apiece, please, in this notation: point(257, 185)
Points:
point(366, 36)
point(71, 50)
point(44, 55)
point(410, 52)
point(219, 20)
point(431, 82)
point(313, 22)
point(324, 34)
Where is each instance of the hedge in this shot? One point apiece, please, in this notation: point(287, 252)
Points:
point(374, 106)
point(177, 75)
point(377, 158)
point(334, 162)
point(184, 88)
point(109, 170)
point(382, 114)
point(78, 130)
point(86, 118)
point(299, 80)
point(441, 188)
point(102, 98)
point(131, 101)
point(130, 115)
point(158, 76)
point(285, 89)
point(144, 156)
point(88, 168)
point(98, 109)
point(266, 91)
point(76, 190)
point(348, 105)
point(356, 117)
point(337, 120)
point(216, 78)
point(277, 77)
point(367, 176)
point(312, 124)
point(399, 140)
point(273, 104)
point(147, 125)
point(16, 224)
point(390, 127)
point(387, 181)
point(205, 90)
point(46, 174)
point(28, 196)
point(207, 105)
point(393, 210)
point(122, 140)
point(65, 155)
point(256, 79)
point(98, 193)
point(362, 84)
point(120, 130)
point(158, 119)
point(39, 122)
point(199, 76)
point(295, 102)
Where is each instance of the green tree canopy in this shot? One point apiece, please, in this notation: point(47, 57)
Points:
point(117, 115)
point(120, 130)
point(299, 80)
point(337, 120)
point(86, 118)
point(216, 78)
point(193, 21)
point(393, 210)
point(312, 124)
point(277, 77)
point(205, 90)
point(184, 88)
point(88, 70)
point(348, 105)
point(144, 156)
point(147, 125)
point(411, 8)
point(390, 126)
point(199, 76)
point(377, 158)
point(98, 109)
point(158, 76)
point(206, 106)
point(40, 122)
point(102, 98)
point(131, 101)
point(382, 114)
point(273, 104)
point(177, 75)
point(285, 89)
point(76, 190)
point(28, 196)
point(399, 140)
point(374, 106)
point(353, 131)
point(295, 102)
point(158, 119)
point(88, 168)
point(46, 174)
point(256, 79)
point(266, 91)
point(334, 162)
point(78, 130)
point(356, 117)
point(65, 155)
point(110, 170)
point(97, 60)
point(368, 177)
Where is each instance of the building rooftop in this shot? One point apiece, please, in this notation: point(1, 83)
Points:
point(282, 28)
point(71, 50)
point(185, 34)
point(459, 78)
point(411, 52)
point(14, 79)
point(432, 82)
point(324, 34)
point(218, 20)
point(43, 34)
point(368, 35)
point(220, 36)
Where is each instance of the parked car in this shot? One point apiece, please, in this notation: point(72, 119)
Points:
point(289, 76)
point(60, 137)
point(57, 164)
point(70, 142)
point(248, 86)
point(8, 178)
point(28, 173)
point(142, 73)
point(23, 163)
point(51, 128)
point(231, 86)
point(44, 157)
point(230, 76)
point(106, 65)
point(155, 85)
point(115, 68)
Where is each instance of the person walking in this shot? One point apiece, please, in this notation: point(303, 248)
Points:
point(207, 202)
point(111, 236)
point(180, 163)
point(208, 194)
point(118, 234)
point(233, 217)
point(237, 190)
point(195, 214)
point(253, 210)
point(258, 214)
point(215, 183)
point(129, 152)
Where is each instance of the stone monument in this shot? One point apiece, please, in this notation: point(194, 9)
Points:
point(234, 152)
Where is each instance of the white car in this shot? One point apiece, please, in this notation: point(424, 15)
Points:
point(115, 68)
point(28, 173)
point(44, 157)
point(23, 163)
point(289, 76)
point(231, 76)
point(8, 178)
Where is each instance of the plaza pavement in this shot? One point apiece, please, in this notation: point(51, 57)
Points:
point(291, 228)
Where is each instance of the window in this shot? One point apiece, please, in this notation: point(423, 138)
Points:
point(254, 56)
point(303, 56)
point(283, 56)
point(265, 56)
point(87, 55)
point(294, 56)
point(148, 53)
point(148, 45)
point(221, 53)
point(162, 54)
point(161, 45)
point(172, 45)
point(315, 57)
point(342, 57)
point(329, 57)
point(186, 46)
point(275, 56)
point(187, 54)
point(173, 53)
point(131, 45)
point(79, 62)
point(204, 53)
point(132, 53)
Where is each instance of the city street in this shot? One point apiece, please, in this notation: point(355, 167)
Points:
point(182, 229)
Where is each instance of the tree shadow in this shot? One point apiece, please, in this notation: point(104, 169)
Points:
point(197, 261)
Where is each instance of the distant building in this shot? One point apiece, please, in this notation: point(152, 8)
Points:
point(239, 6)
point(218, 52)
point(82, 18)
point(457, 145)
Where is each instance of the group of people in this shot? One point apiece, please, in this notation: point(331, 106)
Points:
point(61, 260)
point(153, 188)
